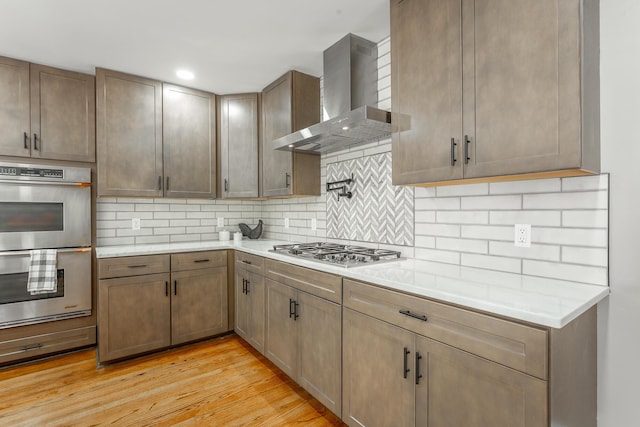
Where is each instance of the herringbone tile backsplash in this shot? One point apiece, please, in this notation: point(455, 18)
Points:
point(378, 211)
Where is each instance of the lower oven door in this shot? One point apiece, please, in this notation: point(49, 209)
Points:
point(72, 299)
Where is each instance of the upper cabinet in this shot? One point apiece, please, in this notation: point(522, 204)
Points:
point(189, 136)
point(289, 104)
point(46, 113)
point(485, 89)
point(238, 145)
point(150, 145)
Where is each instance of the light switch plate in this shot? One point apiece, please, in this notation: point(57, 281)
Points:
point(314, 224)
point(135, 223)
point(220, 221)
point(286, 223)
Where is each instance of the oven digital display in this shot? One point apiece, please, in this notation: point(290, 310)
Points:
point(35, 172)
point(17, 217)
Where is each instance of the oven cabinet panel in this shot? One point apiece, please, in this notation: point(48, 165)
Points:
point(39, 345)
point(198, 304)
point(50, 114)
point(304, 339)
point(134, 315)
point(250, 308)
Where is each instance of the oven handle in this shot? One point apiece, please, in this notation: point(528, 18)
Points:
point(64, 250)
point(34, 182)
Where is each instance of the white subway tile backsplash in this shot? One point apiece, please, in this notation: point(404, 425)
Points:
point(551, 185)
point(570, 236)
point(443, 230)
point(425, 216)
point(579, 200)
point(584, 183)
point(586, 256)
point(535, 218)
point(540, 252)
point(487, 232)
point(492, 202)
point(463, 190)
point(576, 273)
point(509, 265)
point(425, 242)
point(437, 204)
point(447, 257)
point(462, 217)
point(586, 219)
point(461, 245)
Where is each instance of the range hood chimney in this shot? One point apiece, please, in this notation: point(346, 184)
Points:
point(350, 90)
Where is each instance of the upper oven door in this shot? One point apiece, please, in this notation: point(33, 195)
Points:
point(44, 214)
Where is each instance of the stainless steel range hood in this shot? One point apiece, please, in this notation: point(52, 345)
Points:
point(350, 89)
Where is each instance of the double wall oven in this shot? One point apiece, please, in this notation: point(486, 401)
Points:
point(44, 207)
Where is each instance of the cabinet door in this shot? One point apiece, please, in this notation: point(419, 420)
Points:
point(242, 306)
point(134, 315)
point(426, 71)
point(375, 390)
point(320, 350)
point(277, 165)
point(15, 138)
point(281, 328)
point(189, 138)
point(198, 304)
point(460, 389)
point(256, 294)
point(128, 135)
point(239, 145)
point(522, 85)
point(62, 114)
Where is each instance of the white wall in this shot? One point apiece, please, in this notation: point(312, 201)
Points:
point(619, 316)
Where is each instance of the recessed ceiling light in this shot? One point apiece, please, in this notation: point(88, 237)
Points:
point(185, 74)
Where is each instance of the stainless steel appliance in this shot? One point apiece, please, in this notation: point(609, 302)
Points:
point(44, 207)
point(337, 254)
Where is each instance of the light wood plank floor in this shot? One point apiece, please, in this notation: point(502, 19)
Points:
point(221, 382)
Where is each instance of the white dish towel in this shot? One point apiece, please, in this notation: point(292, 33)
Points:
point(43, 272)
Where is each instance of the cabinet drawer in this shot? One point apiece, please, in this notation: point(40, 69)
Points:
point(198, 260)
point(132, 266)
point(250, 262)
point(511, 344)
point(324, 285)
point(47, 343)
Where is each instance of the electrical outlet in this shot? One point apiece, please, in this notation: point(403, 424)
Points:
point(286, 223)
point(522, 235)
point(135, 223)
point(314, 224)
point(220, 221)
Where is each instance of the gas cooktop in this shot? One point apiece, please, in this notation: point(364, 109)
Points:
point(337, 254)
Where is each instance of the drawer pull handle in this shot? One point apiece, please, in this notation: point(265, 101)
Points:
point(244, 261)
point(201, 260)
point(418, 374)
point(406, 362)
point(137, 265)
point(31, 347)
point(415, 316)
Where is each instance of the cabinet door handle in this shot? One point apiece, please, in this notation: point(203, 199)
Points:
point(295, 310)
point(167, 186)
point(418, 374)
point(248, 283)
point(292, 309)
point(415, 316)
point(159, 182)
point(175, 287)
point(136, 265)
point(226, 186)
point(244, 282)
point(467, 141)
point(26, 138)
point(166, 288)
point(35, 141)
point(453, 152)
point(287, 179)
point(244, 261)
point(406, 361)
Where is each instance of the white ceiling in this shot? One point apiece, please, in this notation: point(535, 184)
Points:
point(232, 46)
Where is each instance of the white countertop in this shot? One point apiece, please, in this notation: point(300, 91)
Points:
point(545, 302)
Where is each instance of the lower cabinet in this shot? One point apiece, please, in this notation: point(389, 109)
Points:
point(249, 300)
point(304, 339)
point(150, 302)
point(395, 377)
